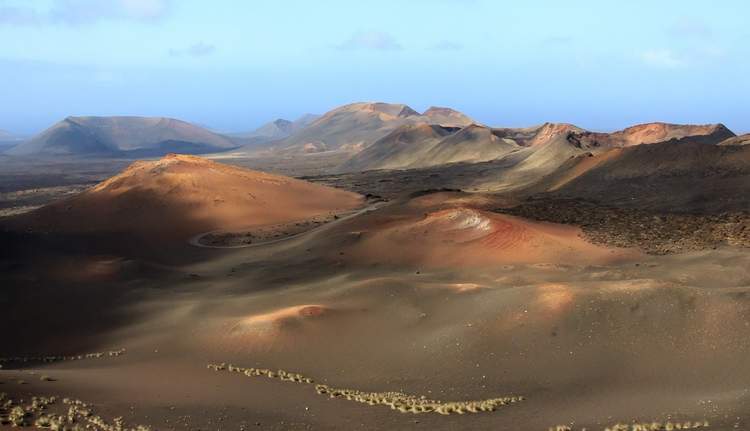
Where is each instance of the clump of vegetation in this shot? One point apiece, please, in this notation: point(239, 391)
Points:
point(644, 426)
point(254, 372)
point(17, 416)
point(658, 426)
point(413, 404)
point(59, 358)
point(78, 417)
point(401, 402)
point(14, 414)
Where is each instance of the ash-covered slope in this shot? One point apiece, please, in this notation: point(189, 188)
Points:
point(737, 140)
point(471, 144)
point(543, 146)
point(181, 195)
point(404, 147)
point(675, 176)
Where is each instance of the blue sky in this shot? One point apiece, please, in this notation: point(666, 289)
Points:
point(232, 65)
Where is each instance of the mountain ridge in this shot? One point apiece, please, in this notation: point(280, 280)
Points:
point(120, 135)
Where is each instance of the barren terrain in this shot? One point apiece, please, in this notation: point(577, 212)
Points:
point(550, 287)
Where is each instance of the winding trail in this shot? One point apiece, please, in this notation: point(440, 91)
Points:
point(196, 240)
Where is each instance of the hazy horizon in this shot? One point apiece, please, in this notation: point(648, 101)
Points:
point(234, 67)
point(292, 118)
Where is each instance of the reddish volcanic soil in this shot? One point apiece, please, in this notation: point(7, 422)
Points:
point(178, 196)
point(651, 133)
point(464, 235)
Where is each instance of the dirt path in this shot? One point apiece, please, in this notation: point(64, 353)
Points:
point(196, 240)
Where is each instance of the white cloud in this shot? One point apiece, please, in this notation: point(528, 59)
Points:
point(662, 58)
point(372, 40)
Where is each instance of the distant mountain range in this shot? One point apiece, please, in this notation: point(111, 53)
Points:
point(122, 136)
point(538, 149)
point(371, 135)
point(395, 136)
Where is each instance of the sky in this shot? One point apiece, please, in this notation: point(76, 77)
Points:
point(233, 65)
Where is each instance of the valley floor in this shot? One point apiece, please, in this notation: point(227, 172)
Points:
point(590, 336)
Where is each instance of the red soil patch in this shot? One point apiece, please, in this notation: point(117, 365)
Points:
point(467, 236)
point(271, 330)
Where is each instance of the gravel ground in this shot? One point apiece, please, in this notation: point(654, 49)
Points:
point(652, 232)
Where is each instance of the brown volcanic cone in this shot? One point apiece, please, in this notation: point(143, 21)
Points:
point(447, 117)
point(651, 133)
point(180, 195)
point(549, 131)
point(737, 140)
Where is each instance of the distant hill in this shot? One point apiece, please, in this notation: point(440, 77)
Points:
point(737, 140)
point(536, 135)
point(471, 144)
point(276, 129)
point(651, 133)
point(549, 131)
point(281, 128)
point(537, 161)
point(423, 145)
point(402, 148)
point(122, 136)
point(648, 133)
point(446, 117)
point(354, 127)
